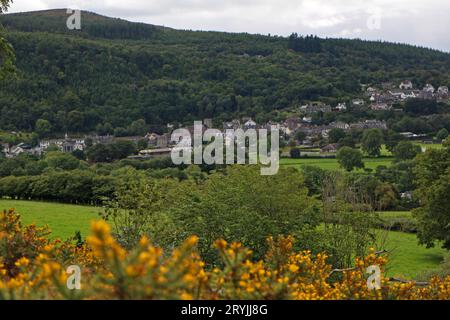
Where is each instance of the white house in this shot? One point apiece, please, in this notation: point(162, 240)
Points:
point(307, 119)
point(22, 148)
point(443, 90)
point(64, 145)
point(429, 88)
point(341, 107)
point(408, 95)
point(406, 85)
point(250, 124)
point(15, 151)
point(358, 102)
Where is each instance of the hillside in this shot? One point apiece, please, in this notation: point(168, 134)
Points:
point(94, 25)
point(114, 72)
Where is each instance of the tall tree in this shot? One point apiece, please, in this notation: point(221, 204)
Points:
point(391, 139)
point(433, 180)
point(43, 127)
point(350, 158)
point(406, 150)
point(442, 134)
point(372, 141)
point(7, 56)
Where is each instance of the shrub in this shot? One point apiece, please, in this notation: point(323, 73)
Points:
point(111, 272)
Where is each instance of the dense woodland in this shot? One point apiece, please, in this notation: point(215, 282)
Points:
point(112, 73)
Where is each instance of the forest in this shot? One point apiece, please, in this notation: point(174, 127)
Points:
point(113, 73)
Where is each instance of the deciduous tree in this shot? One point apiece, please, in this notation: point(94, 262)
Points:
point(372, 141)
point(433, 180)
point(350, 158)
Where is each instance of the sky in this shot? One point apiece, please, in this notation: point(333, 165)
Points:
point(418, 22)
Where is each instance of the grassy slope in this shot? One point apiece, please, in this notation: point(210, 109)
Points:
point(408, 259)
point(63, 219)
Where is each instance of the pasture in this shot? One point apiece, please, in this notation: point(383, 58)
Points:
point(63, 219)
point(407, 258)
point(332, 163)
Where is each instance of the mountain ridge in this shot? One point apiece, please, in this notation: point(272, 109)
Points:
point(93, 16)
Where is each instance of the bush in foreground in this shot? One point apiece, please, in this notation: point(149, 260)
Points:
point(111, 272)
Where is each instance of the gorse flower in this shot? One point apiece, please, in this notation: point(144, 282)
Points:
point(146, 272)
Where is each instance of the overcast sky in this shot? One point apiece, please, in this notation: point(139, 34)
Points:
point(420, 22)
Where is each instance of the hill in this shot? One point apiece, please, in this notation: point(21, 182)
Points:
point(114, 72)
point(94, 25)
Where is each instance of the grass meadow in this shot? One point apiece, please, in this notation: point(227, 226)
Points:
point(332, 163)
point(63, 219)
point(407, 258)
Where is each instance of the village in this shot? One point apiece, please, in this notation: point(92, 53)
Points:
point(381, 98)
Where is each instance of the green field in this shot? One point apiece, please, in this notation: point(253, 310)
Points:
point(396, 214)
point(63, 219)
point(426, 146)
point(332, 163)
point(407, 258)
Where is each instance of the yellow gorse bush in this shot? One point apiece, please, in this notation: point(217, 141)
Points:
point(110, 272)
